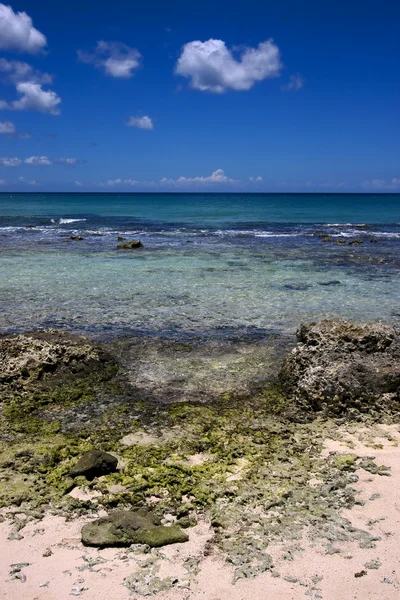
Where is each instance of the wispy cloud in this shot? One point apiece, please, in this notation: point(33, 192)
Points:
point(6, 127)
point(114, 58)
point(15, 71)
point(36, 161)
point(212, 67)
point(10, 162)
point(382, 184)
point(296, 82)
point(18, 33)
point(217, 176)
point(258, 179)
point(140, 122)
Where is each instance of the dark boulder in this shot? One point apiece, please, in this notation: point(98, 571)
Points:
point(123, 528)
point(132, 245)
point(337, 366)
point(94, 463)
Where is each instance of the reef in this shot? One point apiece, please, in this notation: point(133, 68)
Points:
point(248, 459)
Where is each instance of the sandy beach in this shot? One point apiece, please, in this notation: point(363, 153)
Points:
point(49, 562)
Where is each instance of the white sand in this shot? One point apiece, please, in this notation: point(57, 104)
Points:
point(67, 573)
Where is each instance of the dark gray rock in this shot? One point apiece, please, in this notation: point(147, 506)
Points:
point(123, 528)
point(94, 463)
point(132, 245)
point(337, 366)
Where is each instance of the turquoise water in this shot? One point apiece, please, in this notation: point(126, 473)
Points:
point(213, 263)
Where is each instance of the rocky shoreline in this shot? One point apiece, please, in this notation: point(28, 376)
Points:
point(174, 435)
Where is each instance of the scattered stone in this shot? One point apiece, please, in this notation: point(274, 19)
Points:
point(387, 580)
point(48, 552)
point(76, 238)
point(290, 579)
point(130, 245)
point(375, 496)
point(123, 528)
point(361, 573)
point(373, 564)
point(120, 238)
point(94, 463)
point(77, 591)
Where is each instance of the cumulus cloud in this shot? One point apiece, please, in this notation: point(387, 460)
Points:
point(10, 162)
point(38, 160)
point(212, 67)
point(382, 184)
point(115, 58)
point(15, 71)
point(33, 97)
point(296, 82)
point(17, 32)
point(258, 179)
point(7, 127)
point(32, 182)
point(140, 122)
point(217, 176)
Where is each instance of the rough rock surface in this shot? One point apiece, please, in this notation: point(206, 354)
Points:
point(43, 364)
point(123, 528)
point(94, 463)
point(337, 366)
point(130, 245)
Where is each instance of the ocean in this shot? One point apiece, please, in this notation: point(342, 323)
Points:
point(212, 264)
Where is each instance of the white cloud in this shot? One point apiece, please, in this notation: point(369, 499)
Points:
point(217, 176)
point(212, 67)
point(140, 122)
point(382, 184)
point(32, 182)
point(17, 32)
point(296, 82)
point(66, 160)
point(7, 127)
point(119, 181)
point(78, 183)
point(115, 58)
point(25, 136)
point(15, 71)
point(10, 162)
point(258, 179)
point(2, 181)
point(34, 98)
point(38, 160)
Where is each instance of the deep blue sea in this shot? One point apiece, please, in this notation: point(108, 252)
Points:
point(211, 263)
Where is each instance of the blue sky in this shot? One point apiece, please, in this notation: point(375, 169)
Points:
point(217, 96)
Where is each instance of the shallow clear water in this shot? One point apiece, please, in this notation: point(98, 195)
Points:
point(211, 263)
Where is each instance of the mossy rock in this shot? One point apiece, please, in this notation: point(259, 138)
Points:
point(123, 528)
point(94, 463)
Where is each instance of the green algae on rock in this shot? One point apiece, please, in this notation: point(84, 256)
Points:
point(46, 367)
point(94, 463)
point(123, 528)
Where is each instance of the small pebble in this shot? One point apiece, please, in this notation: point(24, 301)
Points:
point(387, 580)
point(47, 552)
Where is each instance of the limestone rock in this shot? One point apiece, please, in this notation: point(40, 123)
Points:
point(131, 245)
point(123, 528)
point(338, 365)
point(94, 463)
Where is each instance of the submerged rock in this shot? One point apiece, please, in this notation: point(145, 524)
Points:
point(94, 463)
point(130, 245)
point(123, 528)
point(338, 365)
